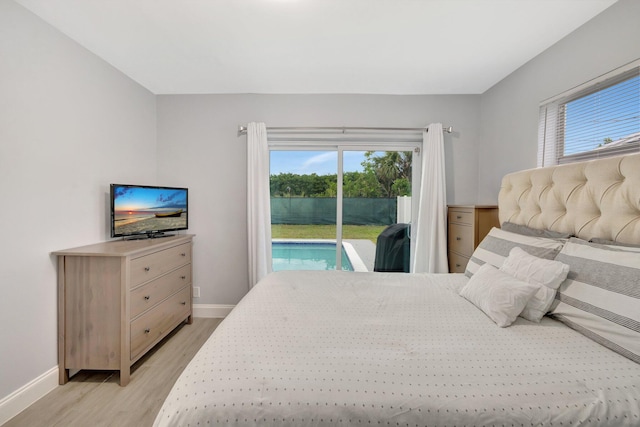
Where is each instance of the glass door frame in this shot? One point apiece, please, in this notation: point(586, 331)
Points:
point(363, 145)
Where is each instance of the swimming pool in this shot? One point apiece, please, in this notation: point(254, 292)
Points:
point(313, 255)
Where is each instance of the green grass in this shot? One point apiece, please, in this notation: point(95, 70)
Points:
point(283, 231)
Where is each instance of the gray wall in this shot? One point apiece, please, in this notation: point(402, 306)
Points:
point(69, 125)
point(510, 109)
point(198, 146)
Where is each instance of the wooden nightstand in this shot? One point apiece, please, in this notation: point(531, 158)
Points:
point(467, 226)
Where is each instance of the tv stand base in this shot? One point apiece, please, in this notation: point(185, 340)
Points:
point(147, 236)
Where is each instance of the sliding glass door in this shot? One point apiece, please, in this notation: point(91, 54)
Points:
point(329, 207)
point(303, 187)
point(376, 208)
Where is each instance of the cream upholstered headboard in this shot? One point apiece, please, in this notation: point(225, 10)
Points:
point(599, 198)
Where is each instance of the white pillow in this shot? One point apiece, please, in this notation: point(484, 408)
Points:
point(498, 295)
point(537, 271)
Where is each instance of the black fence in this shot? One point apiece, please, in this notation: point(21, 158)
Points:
point(322, 210)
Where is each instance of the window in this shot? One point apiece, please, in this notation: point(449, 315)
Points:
point(598, 119)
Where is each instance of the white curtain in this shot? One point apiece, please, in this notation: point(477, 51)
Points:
point(258, 203)
point(430, 253)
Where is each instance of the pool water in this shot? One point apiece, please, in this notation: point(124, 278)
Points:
point(307, 256)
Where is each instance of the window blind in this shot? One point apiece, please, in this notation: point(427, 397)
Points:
point(595, 120)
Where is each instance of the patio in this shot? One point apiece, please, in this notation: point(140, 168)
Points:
point(366, 250)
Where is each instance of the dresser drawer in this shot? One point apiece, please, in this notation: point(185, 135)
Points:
point(151, 293)
point(155, 323)
point(156, 264)
point(461, 239)
point(457, 263)
point(460, 216)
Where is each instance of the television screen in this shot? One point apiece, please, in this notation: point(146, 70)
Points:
point(147, 211)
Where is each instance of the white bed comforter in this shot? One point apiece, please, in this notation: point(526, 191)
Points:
point(364, 349)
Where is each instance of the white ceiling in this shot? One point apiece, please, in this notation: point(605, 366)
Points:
point(317, 46)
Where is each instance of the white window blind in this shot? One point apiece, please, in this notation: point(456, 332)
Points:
point(598, 119)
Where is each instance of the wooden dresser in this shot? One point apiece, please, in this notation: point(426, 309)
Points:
point(467, 226)
point(118, 299)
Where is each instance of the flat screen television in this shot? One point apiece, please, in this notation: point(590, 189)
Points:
point(141, 211)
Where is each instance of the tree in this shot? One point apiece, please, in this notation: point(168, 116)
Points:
point(401, 187)
point(605, 142)
point(360, 184)
point(386, 175)
point(388, 168)
point(294, 185)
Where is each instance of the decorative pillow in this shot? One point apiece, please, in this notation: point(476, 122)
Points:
point(601, 296)
point(535, 232)
point(498, 295)
point(495, 248)
point(550, 274)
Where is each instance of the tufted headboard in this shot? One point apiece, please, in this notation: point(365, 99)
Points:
point(599, 198)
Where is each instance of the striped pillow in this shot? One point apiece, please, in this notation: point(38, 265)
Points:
point(495, 248)
point(601, 296)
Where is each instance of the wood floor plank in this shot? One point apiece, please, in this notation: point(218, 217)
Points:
point(94, 398)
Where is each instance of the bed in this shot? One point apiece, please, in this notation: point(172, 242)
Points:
point(384, 349)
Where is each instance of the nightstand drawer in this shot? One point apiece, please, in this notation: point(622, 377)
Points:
point(457, 263)
point(461, 239)
point(461, 216)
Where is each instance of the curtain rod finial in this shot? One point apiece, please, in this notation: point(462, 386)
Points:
point(242, 130)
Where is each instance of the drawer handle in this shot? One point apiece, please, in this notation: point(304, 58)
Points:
point(458, 266)
point(147, 297)
point(183, 254)
point(183, 277)
point(146, 331)
point(458, 216)
point(147, 268)
point(458, 238)
point(183, 303)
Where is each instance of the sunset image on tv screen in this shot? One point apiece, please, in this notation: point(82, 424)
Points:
point(147, 209)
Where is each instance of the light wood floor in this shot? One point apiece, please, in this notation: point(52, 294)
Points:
point(94, 398)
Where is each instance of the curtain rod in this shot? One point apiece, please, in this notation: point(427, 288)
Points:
point(242, 130)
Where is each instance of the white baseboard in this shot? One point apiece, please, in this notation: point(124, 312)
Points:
point(25, 396)
point(212, 310)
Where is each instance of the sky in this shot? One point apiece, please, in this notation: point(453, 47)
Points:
point(611, 113)
point(138, 198)
point(319, 162)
